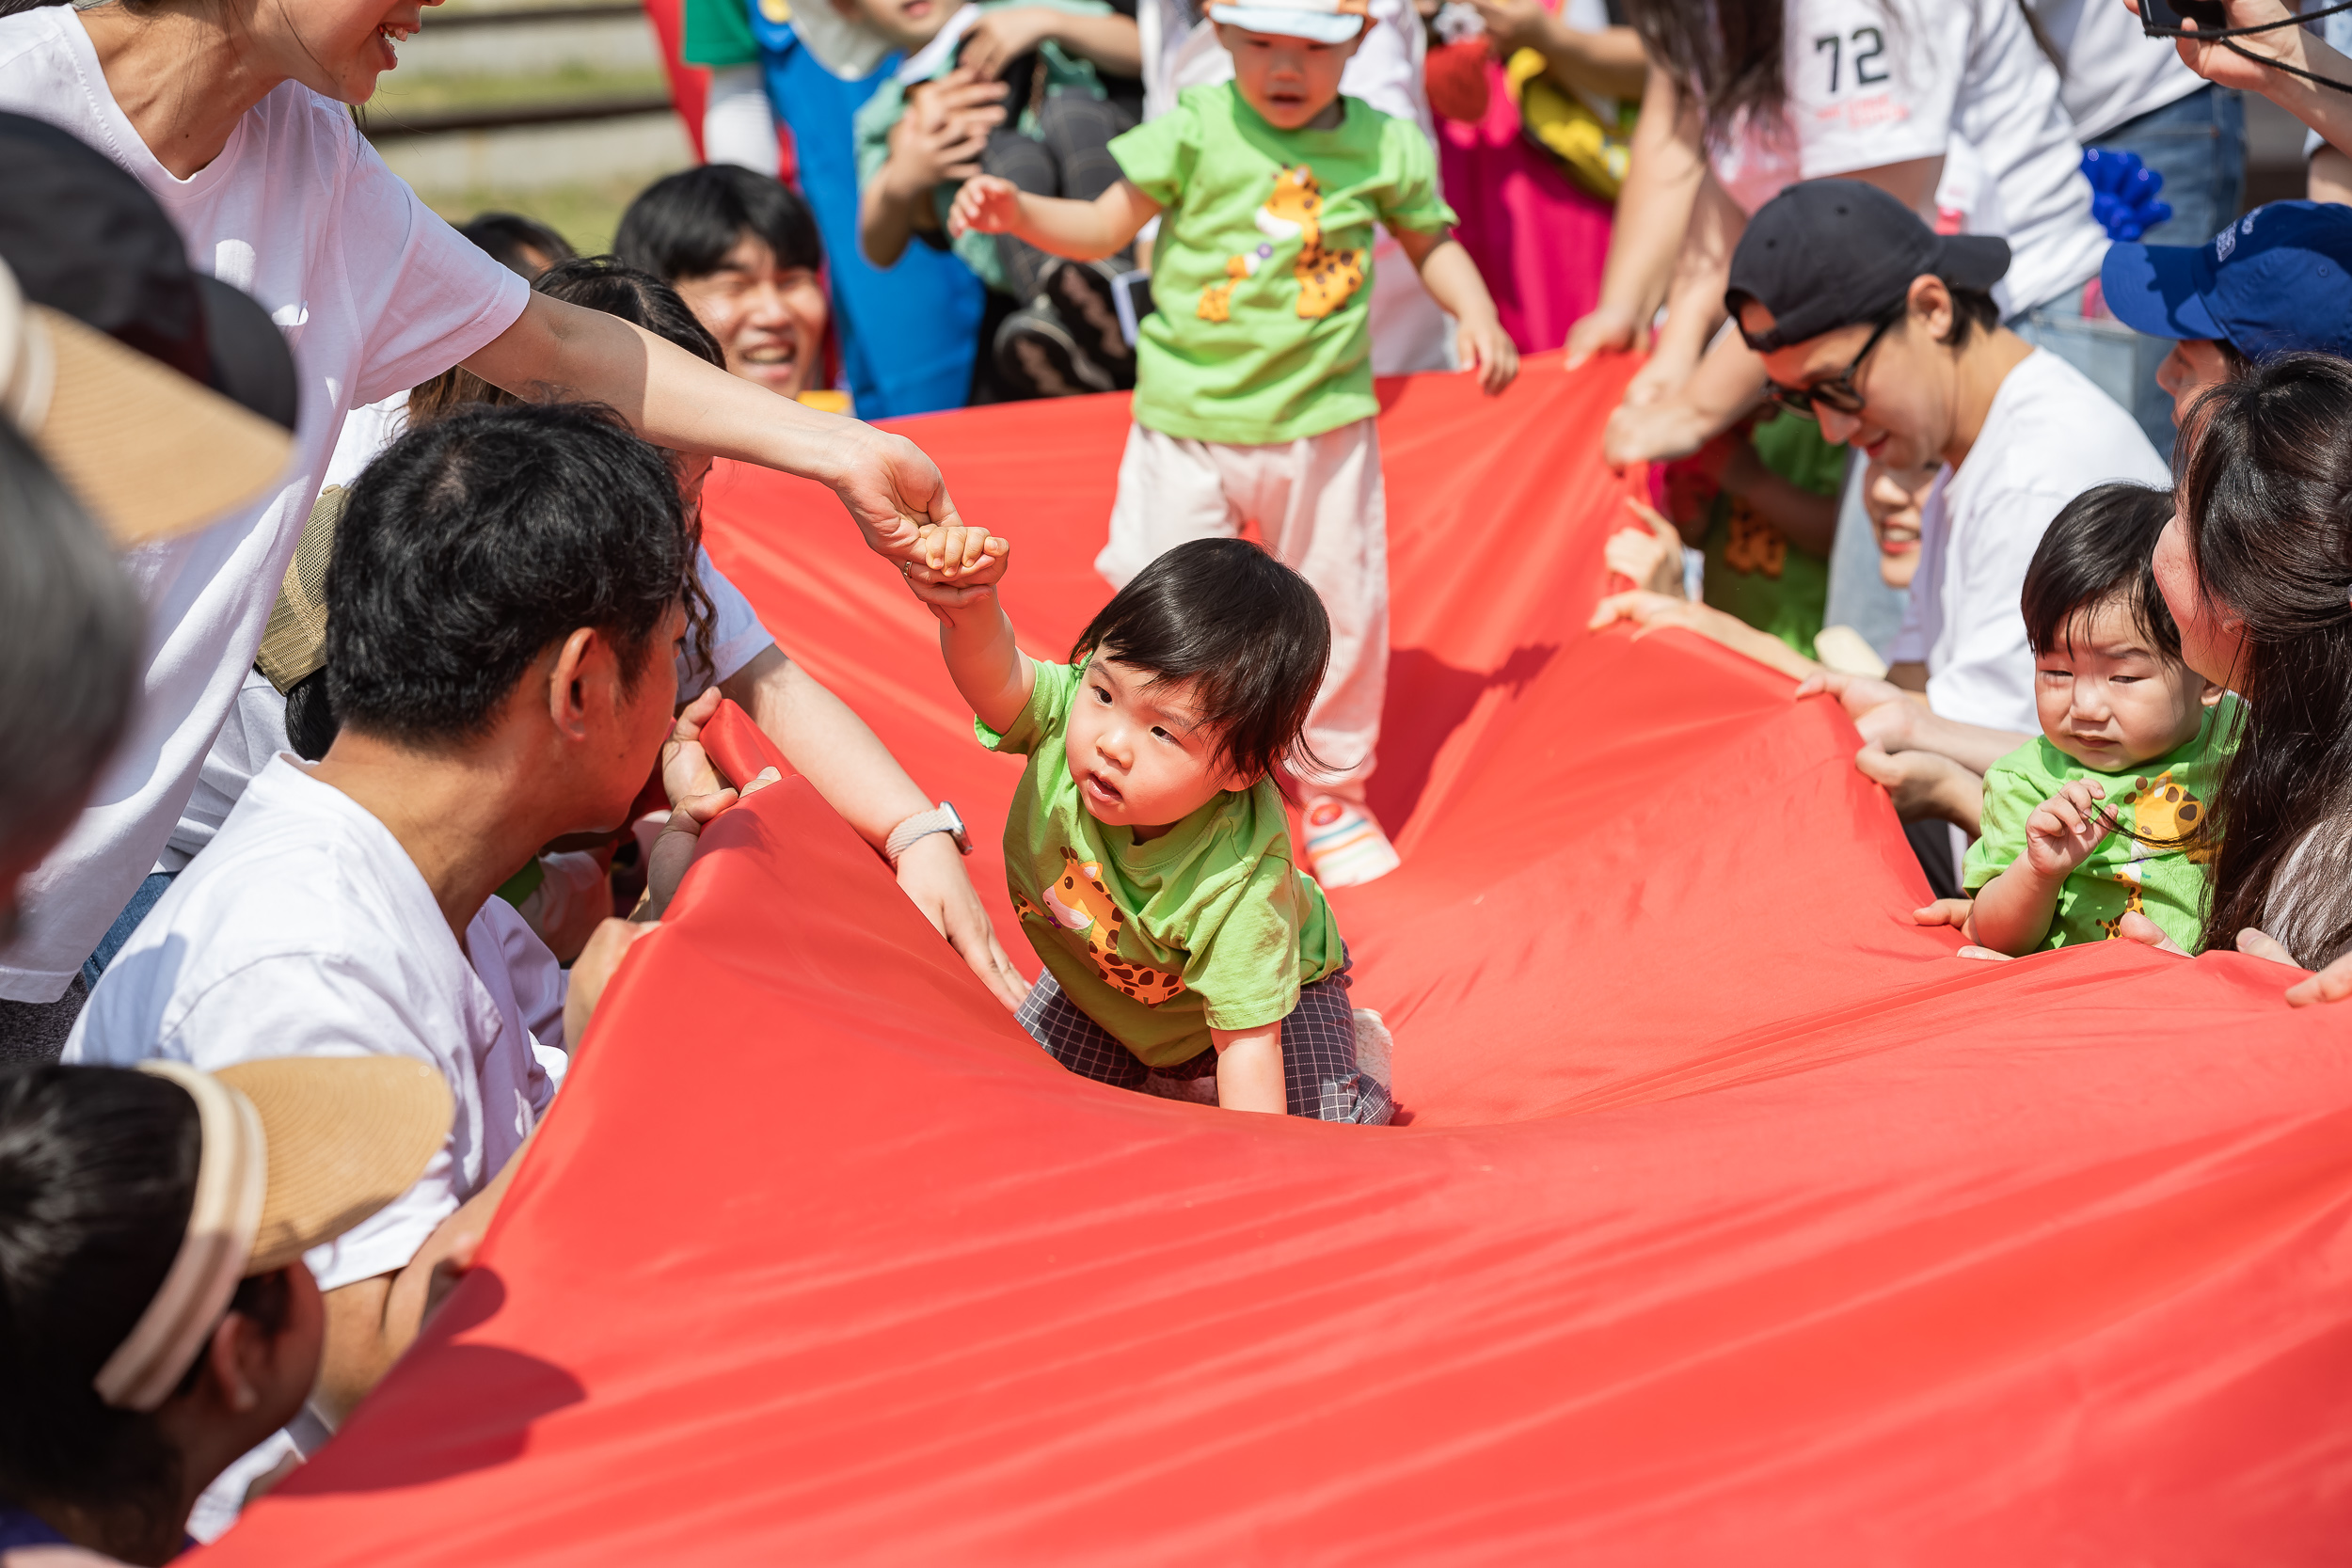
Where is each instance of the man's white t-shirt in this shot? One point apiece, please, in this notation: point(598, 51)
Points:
point(2110, 70)
point(374, 292)
point(2050, 436)
point(306, 930)
point(1872, 84)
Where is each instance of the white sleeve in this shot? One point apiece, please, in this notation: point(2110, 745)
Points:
point(303, 1006)
point(429, 295)
point(1988, 677)
point(1871, 84)
point(736, 635)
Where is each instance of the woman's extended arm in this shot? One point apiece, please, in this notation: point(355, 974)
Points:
point(1653, 210)
point(853, 771)
point(1110, 41)
point(2326, 110)
point(556, 350)
point(1607, 64)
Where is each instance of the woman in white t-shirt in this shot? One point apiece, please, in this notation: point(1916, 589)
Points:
point(233, 115)
point(1949, 105)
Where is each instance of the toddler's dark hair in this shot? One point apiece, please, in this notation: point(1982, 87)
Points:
point(1246, 631)
point(2101, 547)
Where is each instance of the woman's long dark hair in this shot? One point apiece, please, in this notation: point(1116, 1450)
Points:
point(1725, 55)
point(2265, 496)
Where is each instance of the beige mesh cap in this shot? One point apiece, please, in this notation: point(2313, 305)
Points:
point(345, 1135)
point(147, 452)
point(294, 645)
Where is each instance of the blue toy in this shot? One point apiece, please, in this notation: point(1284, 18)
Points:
point(2123, 192)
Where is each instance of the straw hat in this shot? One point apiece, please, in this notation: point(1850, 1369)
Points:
point(294, 1151)
point(345, 1135)
point(147, 451)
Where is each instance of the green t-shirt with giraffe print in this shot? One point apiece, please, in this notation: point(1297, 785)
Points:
point(1261, 275)
point(1210, 925)
point(2162, 801)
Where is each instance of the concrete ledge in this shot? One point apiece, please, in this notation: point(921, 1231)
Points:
point(531, 157)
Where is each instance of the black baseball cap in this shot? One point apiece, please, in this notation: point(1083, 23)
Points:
point(86, 239)
point(1830, 253)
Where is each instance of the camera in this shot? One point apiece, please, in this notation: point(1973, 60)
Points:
point(2162, 18)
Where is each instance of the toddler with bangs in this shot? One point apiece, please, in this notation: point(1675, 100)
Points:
point(1147, 850)
point(2105, 814)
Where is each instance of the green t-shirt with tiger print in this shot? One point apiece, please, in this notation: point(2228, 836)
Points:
point(2154, 865)
point(1210, 925)
point(1261, 275)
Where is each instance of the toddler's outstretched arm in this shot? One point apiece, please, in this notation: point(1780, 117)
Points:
point(2014, 909)
point(1082, 231)
point(1452, 278)
point(956, 576)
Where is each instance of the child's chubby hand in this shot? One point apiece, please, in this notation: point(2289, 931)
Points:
point(955, 564)
point(2066, 828)
point(1484, 346)
point(988, 204)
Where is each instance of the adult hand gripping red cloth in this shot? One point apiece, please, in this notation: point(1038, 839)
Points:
point(1738, 1219)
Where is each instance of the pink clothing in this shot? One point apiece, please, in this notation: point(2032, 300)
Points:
point(1538, 241)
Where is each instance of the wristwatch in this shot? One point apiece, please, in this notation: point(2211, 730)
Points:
point(941, 818)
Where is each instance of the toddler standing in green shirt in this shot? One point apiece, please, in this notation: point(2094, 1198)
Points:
point(2105, 815)
point(1253, 391)
point(1147, 850)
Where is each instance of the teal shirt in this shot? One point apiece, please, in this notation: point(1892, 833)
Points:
point(2163, 799)
point(870, 129)
point(1211, 924)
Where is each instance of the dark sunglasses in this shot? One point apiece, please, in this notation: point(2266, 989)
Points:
point(1838, 392)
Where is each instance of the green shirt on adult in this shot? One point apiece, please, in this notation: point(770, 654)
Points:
point(2148, 868)
point(1211, 924)
point(1261, 275)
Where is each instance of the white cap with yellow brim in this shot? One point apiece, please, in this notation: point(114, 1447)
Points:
point(149, 453)
point(1317, 21)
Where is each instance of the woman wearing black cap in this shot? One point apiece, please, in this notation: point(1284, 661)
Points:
point(233, 115)
point(156, 1318)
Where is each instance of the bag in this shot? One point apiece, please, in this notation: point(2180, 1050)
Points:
point(1593, 152)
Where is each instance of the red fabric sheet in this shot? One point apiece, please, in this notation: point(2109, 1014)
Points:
point(1737, 1220)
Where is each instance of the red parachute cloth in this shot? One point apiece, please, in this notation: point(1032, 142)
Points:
point(1737, 1220)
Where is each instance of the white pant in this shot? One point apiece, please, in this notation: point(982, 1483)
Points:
point(1318, 505)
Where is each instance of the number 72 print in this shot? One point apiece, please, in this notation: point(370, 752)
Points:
point(1863, 58)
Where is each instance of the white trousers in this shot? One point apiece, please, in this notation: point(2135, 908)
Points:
point(1318, 506)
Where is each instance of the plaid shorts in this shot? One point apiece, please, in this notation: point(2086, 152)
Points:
point(1319, 1071)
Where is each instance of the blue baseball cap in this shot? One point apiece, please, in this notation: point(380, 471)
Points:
point(2278, 281)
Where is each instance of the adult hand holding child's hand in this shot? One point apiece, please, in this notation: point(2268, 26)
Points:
point(954, 566)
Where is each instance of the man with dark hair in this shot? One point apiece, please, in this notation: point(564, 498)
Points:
point(504, 604)
point(1885, 332)
point(742, 249)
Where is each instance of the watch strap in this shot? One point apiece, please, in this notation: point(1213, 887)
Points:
point(939, 819)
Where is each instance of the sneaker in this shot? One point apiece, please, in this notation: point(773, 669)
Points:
point(1375, 1047)
point(1083, 295)
point(1345, 848)
point(1038, 358)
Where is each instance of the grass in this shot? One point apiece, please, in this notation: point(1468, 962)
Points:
point(586, 215)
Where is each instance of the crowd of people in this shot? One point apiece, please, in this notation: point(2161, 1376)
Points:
point(359, 642)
